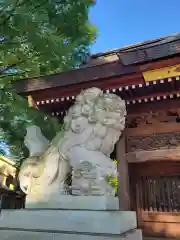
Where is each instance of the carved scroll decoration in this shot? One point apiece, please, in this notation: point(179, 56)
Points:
point(153, 117)
point(153, 142)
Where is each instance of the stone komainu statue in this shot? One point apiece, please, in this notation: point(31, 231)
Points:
point(92, 126)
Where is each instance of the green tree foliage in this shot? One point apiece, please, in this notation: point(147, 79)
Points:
point(15, 116)
point(43, 37)
point(37, 38)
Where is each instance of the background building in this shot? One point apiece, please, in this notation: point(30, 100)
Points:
point(7, 173)
point(147, 77)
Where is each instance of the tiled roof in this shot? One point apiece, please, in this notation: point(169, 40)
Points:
point(109, 64)
point(141, 52)
point(150, 53)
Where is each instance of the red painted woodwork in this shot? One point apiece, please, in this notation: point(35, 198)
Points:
point(160, 64)
point(167, 104)
point(73, 90)
point(48, 90)
point(155, 190)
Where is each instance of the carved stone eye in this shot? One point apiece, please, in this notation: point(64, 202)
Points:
point(27, 174)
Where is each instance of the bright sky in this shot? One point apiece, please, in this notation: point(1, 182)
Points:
point(124, 22)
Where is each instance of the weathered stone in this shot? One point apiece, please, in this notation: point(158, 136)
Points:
point(92, 127)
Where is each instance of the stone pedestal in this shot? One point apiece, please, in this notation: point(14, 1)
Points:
point(30, 235)
point(67, 225)
point(71, 224)
point(77, 203)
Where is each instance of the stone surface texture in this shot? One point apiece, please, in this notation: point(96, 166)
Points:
point(99, 222)
point(21, 235)
point(86, 209)
point(68, 224)
point(80, 203)
point(35, 141)
point(92, 127)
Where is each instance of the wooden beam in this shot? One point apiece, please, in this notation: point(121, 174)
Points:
point(162, 73)
point(155, 106)
point(70, 90)
point(162, 230)
point(154, 95)
point(160, 64)
point(153, 129)
point(123, 188)
point(166, 217)
point(75, 77)
point(89, 76)
point(172, 154)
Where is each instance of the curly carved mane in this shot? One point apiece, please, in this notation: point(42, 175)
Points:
point(96, 120)
point(92, 127)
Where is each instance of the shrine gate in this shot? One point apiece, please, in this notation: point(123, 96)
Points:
point(147, 77)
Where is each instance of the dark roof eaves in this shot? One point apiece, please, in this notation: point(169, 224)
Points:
point(138, 46)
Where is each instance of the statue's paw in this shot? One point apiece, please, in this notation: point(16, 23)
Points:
point(64, 192)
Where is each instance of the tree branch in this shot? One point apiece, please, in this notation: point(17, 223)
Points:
point(4, 69)
point(11, 13)
point(18, 4)
point(39, 5)
point(12, 42)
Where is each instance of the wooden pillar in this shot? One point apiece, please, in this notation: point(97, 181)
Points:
point(123, 185)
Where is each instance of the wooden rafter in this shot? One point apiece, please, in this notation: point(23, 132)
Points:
point(155, 155)
point(106, 74)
